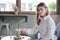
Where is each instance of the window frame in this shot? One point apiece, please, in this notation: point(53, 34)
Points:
point(9, 11)
point(18, 2)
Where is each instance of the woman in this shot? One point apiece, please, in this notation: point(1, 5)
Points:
point(45, 24)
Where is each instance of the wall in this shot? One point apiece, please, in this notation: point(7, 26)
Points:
point(56, 18)
point(18, 22)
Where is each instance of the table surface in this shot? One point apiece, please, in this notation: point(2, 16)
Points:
point(12, 38)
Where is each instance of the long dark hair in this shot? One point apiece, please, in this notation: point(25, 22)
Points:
point(42, 5)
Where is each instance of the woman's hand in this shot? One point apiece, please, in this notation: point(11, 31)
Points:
point(24, 32)
point(38, 18)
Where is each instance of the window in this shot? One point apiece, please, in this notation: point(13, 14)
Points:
point(27, 5)
point(7, 5)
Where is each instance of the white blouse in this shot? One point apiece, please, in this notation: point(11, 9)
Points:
point(46, 28)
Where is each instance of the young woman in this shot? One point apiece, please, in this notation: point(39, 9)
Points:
point(45, 24)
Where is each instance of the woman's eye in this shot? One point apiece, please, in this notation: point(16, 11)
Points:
point(41, 9)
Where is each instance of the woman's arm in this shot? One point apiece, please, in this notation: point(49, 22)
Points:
point(34, 30)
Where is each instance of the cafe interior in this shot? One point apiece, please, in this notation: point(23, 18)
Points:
point(16, 15)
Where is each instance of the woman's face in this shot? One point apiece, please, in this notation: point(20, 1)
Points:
point(42, 11)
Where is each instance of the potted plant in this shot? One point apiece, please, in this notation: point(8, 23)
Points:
point(17, 35)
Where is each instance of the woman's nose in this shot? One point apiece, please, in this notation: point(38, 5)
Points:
point(40, 11)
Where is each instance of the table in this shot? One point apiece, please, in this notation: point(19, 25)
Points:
point(13, 38)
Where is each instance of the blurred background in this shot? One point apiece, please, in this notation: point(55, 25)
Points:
point(26, 17)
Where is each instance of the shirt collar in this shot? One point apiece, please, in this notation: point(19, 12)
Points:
point(45, 17)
